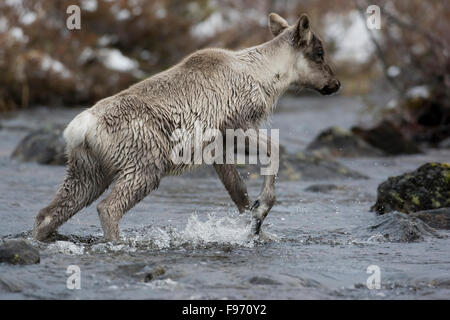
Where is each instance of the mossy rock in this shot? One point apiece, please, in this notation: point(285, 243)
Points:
point(426, 188)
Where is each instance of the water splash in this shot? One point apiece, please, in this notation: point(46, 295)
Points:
point(232, 230)
point(66, 247)
point(214, 230)
point(198, 233)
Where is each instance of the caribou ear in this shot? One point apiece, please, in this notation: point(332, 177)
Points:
point(277, 24)
point(302, 32)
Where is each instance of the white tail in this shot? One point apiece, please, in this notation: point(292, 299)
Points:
point(79, 129)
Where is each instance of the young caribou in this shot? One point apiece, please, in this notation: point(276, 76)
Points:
point(125, 139)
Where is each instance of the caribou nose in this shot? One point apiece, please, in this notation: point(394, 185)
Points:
point(331, 88)
point(338, 84)
point(334, 86)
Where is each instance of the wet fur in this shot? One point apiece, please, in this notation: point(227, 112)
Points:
point(125, 139)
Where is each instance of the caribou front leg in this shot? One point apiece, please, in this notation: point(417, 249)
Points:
point(266, 198)
point(234, 184)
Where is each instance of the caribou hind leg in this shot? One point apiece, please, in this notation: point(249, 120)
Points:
point(130, 188)
point(85, 181)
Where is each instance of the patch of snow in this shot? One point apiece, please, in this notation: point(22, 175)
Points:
point(123, 14)
point(50, 64)
point(106, 40)
point(3, 24)
point(18, 35)
point(86, 55)
point(393, 71)
point(161, 12)
point(223, 19)
point(114, 59)
point(14, 3)
point(209, 27)
point(392, 104)
point(28, 18)
point(418, 92)
point(89, 5)
point(350, 36)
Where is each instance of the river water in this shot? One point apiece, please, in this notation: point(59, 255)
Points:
point(187, 241)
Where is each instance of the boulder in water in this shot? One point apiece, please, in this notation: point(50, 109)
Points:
point(155, 273)
point(293, 167)
point(388, 138)
point(340, 142)
point(445, 144)
point(400, 227)
point(308, 166)
point(45, 146)
point(18, 251)
point(326, 188)
point(426, 188)
point(436, 218)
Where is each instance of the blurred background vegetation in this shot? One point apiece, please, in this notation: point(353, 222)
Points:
point(124, 41)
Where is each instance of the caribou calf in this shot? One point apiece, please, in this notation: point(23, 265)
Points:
point(124, 140)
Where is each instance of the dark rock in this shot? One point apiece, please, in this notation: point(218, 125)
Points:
point(426, 188)
point(388, 138)
point(9, 285)
point(130, 269)
point(325, 188)
point(430, 117)
point(307, 166)
point(437, 218)
point(292, 167)
point(399, 227)
point(45, 146)
point(140, 271)
point(263, 281)
point(227, 248)
point(18, 251)
point(56, 236)
point(339, 142)
point(445, 144)
point(155, 273)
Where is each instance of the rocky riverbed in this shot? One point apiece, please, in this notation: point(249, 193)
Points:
point(187, 240)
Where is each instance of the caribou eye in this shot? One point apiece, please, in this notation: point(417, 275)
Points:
point(320, 53)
